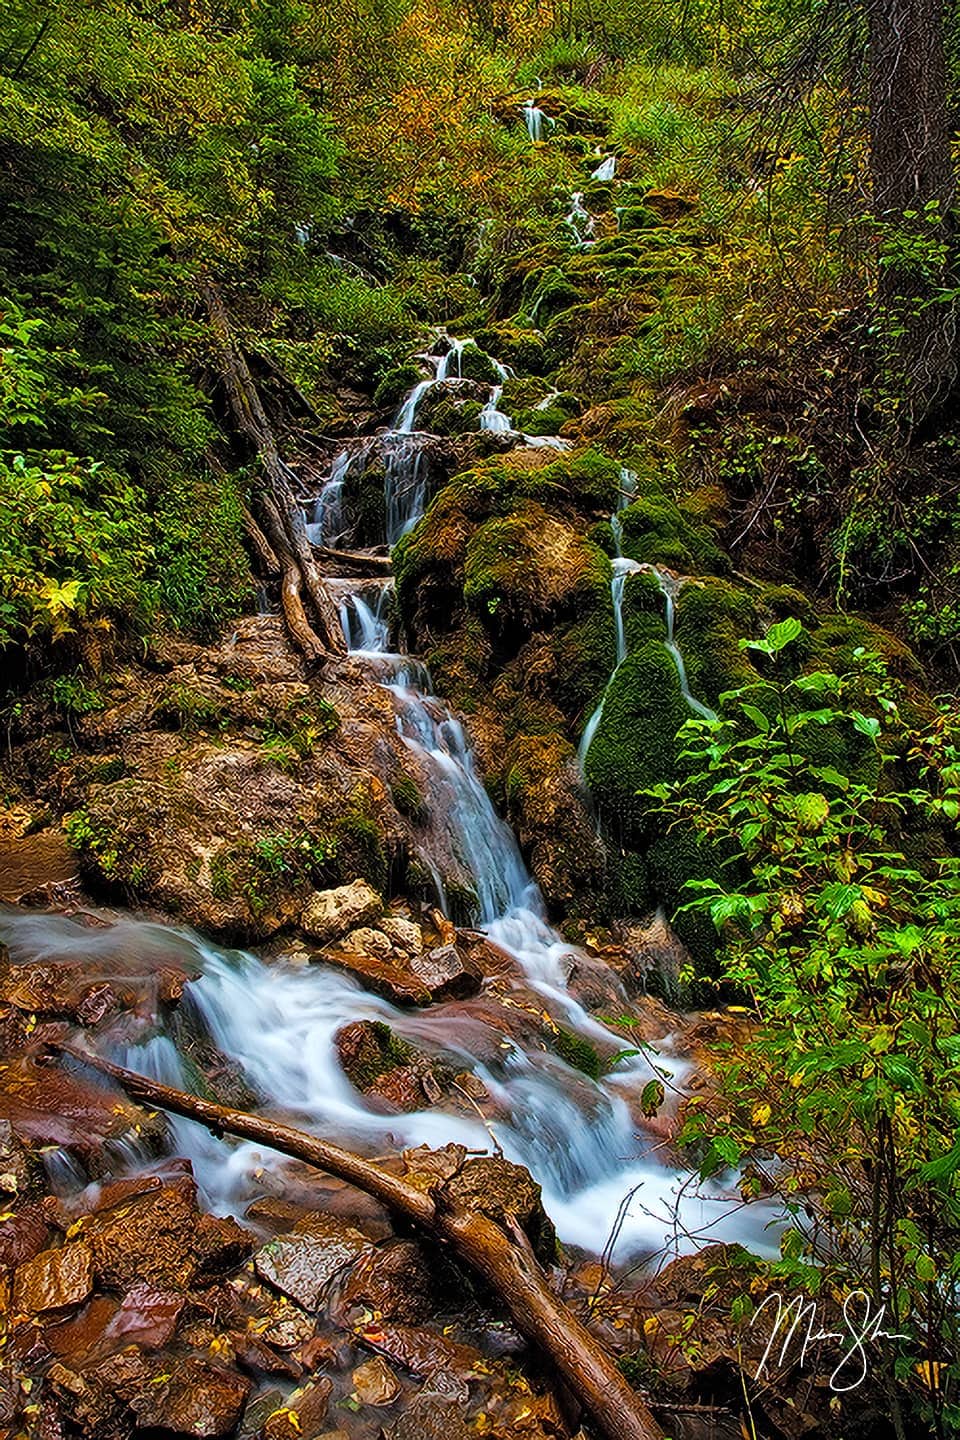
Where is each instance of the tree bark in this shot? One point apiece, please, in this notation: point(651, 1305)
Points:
point(912, 169)
point(502, 1255)
point(277, 509)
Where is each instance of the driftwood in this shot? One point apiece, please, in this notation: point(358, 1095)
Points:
point(352, 562)
point(499, 1252)
point(278, 516)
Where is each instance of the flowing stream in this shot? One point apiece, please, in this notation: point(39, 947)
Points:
point(278, 1022)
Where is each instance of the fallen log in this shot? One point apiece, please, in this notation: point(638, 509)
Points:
point(499, 1252)
point(353, 562)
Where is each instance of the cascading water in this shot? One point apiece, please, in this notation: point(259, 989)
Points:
point(606, 169)
point(279, 1022)
point(535, 119)
point(669, 584)
point(579, 222)
point(328, 526)
point(492, 417)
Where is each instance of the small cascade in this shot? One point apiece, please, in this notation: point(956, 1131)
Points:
point(670, 585)
point(328, 526)
point(579, 222)
point(535, 120)
point(606, 169)
point(492, 417)
point(406, 475)
point(407, 414)
point(366, 626)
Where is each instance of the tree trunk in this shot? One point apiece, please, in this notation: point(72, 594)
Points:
point(913, 193)
point(500, 1253)
point(274, 501)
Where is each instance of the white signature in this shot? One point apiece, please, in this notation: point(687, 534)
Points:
point(796, 1324)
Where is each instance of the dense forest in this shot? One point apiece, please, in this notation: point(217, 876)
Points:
point(479, 741)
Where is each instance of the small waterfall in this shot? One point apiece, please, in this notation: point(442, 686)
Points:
point(365, 625)
point(579, 221)
point(328, 526)
point(407, 414)
point(406, 474)
point(606, 169)
point(670, 585)
point(492, 417)
point(535, 119)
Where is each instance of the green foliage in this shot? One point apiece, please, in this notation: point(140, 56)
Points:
point(850, 957)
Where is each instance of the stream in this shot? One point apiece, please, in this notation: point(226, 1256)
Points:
point(278, 1021)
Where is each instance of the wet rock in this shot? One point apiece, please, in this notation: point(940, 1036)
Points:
point(303, 1262)
point(22, 1236)
point(374, 1383)
point(54, 1280)
point(330, 914)
point(199, 1400)
point(147, 1317)
point(45, 1105)
point(45, 989)
point(394, 982)
point(446, 973)
point(262, 1359)
point(383, 1065)
point(162, 1238)
point(99, 1402)
point(423, 1354)
point(17, 1174)
point(395, 1282)
point(303, 1415)
point(500, 1189)
point(430, 1417)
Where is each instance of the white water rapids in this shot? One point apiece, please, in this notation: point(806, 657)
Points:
point(278, 1022)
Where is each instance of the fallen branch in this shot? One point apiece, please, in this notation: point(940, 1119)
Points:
point(353, 561)
point(500, 1253)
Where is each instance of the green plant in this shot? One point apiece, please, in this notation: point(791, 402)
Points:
point(848, 957)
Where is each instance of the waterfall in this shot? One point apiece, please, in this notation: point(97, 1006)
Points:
point(579, 221)
point(406, 473)
point(535, 119)
point(606, 169)
point(669, 584)
point(492, 417)
point(328, 526)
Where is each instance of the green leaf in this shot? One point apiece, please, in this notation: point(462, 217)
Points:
point(839, 899)
point(866, 724)
point(926, 1268)
point(943, 1167)
point(651, 1097)
point(778, 637)
point(757, 716)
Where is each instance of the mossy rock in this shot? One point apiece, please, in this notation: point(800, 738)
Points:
point(548, 294)
point(838, 639)
point(447, 415)
point(523, 394)
point(527, 568)
point(409, 799)
point(363, 503)
point(396, 384)
point(712, 616)
point(521, 349)
point(476, 364)
point(655, 531)
point(635, 745)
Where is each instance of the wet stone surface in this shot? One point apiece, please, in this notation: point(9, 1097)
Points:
point(303, 1262)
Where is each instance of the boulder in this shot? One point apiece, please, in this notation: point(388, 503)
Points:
point(396, 982)
point(372, 944)
point(374, 1383)
point(402, 933)
point(198, 1399)
point(394, 1282)
point(331, 914)
point(303, 1415)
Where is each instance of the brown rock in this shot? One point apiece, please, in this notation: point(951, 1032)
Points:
point(446, 973)
point(421, 1352)
point(303, 1262)
point(396, 982)
point(669, 204)
point(254, 1355)
point(302, 1417)
point(374, 1383)
point(54, 1280)
point(147, 1317)
point(330, 914)
point(403, 933)
point(395, 1281)
point(430, 1417)
point(198, 1400)
point(22, 1236)
point(500, 1189)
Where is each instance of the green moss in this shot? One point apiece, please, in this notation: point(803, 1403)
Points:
point(385, 1052)
point(476, 364)
point(712, 617)
point(523, 394)
point(522, 349)
point(408, 798)
point(396, 384)
point(548, 294)
point(636, 217)
point(635, 745)
point(363, 504)
point(656, 531)
point(360, 851)
point(577, 1052)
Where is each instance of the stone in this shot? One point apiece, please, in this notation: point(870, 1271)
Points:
point(395, 982)
point(161, 1237)
point(374, 1383)
point(54, 1280)
point(22, 1236)
point(422, 1353)
point(303, 1415)
point(430, 1417)
point(199, 1400)
point(147, 1317)
point(446, 973)
point(365, 941)
point(303, 1262)
point(403, 933)
point(502, 1190)
point(395, 1282)
point(330, 914)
